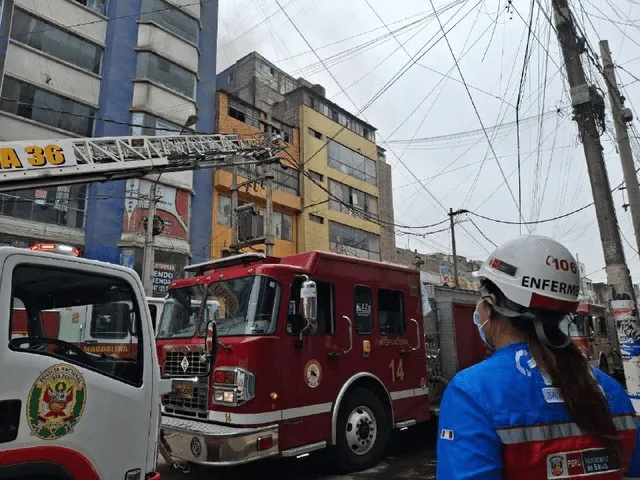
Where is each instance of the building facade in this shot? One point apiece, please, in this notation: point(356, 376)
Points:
point(438, 269)
point(234, 115)
point(345, 182)
point(82, 68)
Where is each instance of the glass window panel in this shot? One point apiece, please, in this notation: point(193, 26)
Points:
point(170, 75)
point(45, 107)
point(55, 41)
point(172, 18)
point(224, 211)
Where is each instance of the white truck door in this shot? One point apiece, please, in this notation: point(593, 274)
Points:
point(98, 408)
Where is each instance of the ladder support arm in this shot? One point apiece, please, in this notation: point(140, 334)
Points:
point(46, 163)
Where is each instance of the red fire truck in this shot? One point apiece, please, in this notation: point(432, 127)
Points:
point(309, 351)
point(591, 329)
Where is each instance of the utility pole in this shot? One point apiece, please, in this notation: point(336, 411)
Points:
point(621, 116)
point(262, 233)
point(453, 247)
point(234, 203)
point(584, 101)
point(148, 254)
point(268, 219)
point(148, 258)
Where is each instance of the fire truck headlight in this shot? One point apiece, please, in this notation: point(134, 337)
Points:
point(233, 386)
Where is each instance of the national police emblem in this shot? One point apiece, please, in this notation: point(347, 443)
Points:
point(56, 402)
point(557, 465)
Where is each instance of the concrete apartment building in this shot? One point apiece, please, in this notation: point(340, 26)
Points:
point(338, 152)
point(81, 68)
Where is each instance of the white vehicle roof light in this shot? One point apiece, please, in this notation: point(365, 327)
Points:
point(56, 248)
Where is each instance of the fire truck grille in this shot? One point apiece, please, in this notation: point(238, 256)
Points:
point(188, 400)
point(184, 364)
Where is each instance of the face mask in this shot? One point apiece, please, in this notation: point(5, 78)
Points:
point(483, 335)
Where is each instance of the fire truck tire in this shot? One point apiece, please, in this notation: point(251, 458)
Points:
point(362, 431)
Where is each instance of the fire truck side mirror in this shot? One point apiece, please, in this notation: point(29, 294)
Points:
point(309, 298)
point(210, 354)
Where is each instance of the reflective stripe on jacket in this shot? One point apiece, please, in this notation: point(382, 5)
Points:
point(501, 419)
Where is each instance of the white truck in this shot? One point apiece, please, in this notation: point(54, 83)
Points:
point(69, 411)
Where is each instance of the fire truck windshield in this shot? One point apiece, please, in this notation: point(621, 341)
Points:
point(575, 326)
point(239, 306)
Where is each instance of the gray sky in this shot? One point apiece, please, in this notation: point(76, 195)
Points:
point(459, 169)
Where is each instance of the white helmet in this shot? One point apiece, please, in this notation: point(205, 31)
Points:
point(535, 272)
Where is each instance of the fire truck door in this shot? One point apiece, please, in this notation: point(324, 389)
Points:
point(308, 382)
point(402, 369)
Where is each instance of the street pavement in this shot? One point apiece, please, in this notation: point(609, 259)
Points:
point(411, 454)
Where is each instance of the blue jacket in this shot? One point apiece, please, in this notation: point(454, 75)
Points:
point(501, 419)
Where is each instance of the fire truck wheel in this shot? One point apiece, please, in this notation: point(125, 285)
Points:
point(362, 431)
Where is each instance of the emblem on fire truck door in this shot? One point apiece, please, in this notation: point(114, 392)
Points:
point(56, 402)
point(312, 373)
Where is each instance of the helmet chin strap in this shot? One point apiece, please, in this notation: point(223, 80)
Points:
point(537, 323)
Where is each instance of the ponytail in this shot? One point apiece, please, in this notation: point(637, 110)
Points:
point(570, 372)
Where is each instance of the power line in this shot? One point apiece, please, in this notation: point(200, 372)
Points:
point(475, 108)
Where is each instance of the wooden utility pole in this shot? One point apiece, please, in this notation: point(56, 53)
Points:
point(148, 257)
point(584, 113)
point(620, 118)
point(453, 248)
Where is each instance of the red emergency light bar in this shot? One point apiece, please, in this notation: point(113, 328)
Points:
point(56, 248)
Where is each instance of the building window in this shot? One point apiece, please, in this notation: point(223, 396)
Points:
point(316, 218)
point(243, 113)
point(172, 18)
point(153, 67)
point(353, 241)
point(283, 225)
point(48, 38)
point(315, 133)
point(318, 177)
point(347, 199)
point(391, 312)
point(343, 119)
point(351, 162)
point(28, 101)
point(98, 6)
point(267, 69)
point(151, 125)
point(278, 128)
point(224, 211)
point(63, 205)
point(287, 181)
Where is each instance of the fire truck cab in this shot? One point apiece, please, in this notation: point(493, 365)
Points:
point(589, 330)
point(309, 351)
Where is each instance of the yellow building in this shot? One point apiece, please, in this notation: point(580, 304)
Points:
point(234, 115)
point(345, 197)
point(340, 187)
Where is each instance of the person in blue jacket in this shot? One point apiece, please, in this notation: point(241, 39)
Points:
point(534, 409)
